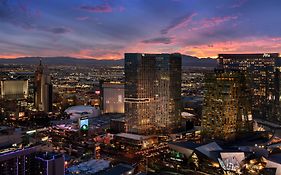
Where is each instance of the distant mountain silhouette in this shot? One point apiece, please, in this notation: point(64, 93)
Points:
point(190, 61)
point(61, 61)
point(187, 61)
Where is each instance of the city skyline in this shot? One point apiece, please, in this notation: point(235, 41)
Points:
point(105, 29)
point(140, 87)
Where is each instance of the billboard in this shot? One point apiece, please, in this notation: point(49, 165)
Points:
point(113, 97)
point(14, 88)
point(84, 124)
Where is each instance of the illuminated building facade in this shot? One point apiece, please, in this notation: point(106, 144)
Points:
point(31, 161)
point(227, 105)
point(14, 89)
point(152, 92)
point(112, 97)
point(50, 163)
point(43, 89)
point(135, 141)
point(264, 76)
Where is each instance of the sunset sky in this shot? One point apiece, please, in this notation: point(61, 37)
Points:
point(105, 29)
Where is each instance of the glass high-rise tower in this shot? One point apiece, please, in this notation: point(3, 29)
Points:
point(152, 92)
point(227, 110)
point(264, 80)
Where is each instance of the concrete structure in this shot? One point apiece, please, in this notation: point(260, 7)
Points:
point(227, 106)
point(136, 141)
point(120, 169)
point(77, 112)
point(92, 166)
point(152, 92)
point(274, 162)
point(231, 161)
point(189, 148)
point(43, 91)
point(112, 97)
point(226, 160)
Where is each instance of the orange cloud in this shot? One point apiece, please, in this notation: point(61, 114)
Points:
point(96, 54)
point(250, 45)
point(247, 45)
point(8, 56)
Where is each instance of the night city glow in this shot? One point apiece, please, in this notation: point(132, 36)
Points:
point(140, 87)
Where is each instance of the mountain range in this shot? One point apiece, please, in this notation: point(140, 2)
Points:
point(188, 61)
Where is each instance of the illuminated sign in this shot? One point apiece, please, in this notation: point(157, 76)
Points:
point(176, 159)
point(266, 55)
point(31, 132)
point(21, 114)
point(84, 124)
point(45, 138)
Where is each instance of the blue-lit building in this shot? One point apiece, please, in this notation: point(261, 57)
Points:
point(30, 161)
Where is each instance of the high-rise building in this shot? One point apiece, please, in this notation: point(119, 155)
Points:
point(264, 76)
point(227, 105)
point(31, 161)
point(50, 163)
point(152, 92)
point(112, 97)
point(43, 89)
point(14, 89)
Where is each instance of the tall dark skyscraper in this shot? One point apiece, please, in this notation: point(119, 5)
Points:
point(43, 89)
point(227, 105)
point(264, 76)
point(50, 163)
point(31, 161)
point(152, 92)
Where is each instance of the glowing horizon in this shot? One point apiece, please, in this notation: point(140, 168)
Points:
point(106, 29)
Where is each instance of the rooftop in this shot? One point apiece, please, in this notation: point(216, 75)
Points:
point(275, 158)
point(133, 136)
point(119, 170)
point(188, 144)
point(49, 156)
point(90, 167)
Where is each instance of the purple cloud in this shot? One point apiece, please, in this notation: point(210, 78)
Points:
point(58, 30)
point(238, 4)
point(210, 22)
point(159, 40)
point(104, 8)
point(82, 18)
point(179, 23)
